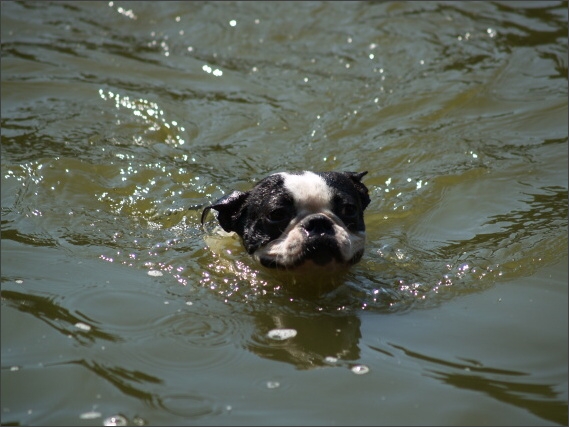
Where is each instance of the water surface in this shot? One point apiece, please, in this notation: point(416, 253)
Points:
point(122, 120)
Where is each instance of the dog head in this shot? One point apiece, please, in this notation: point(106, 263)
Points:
point(301, 220)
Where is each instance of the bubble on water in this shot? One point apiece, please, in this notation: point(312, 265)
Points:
point(360, 369)
point(273, 384)
point(82, 326)
point(138, 421)
point(281, 334)
point(115, 420)
point(91, 415)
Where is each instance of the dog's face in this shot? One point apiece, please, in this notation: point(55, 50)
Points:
point(299, 220)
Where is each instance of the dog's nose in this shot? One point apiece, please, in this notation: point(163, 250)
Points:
point(318, 226)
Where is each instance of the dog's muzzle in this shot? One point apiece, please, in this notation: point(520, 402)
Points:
point(316, 241)
point(320, 245)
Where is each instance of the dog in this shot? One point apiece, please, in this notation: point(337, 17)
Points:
point(299, 221)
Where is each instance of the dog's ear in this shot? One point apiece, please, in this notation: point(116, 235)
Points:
point(229, 208)
point(356, 178)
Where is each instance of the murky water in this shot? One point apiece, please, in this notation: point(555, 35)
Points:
point(120, 121)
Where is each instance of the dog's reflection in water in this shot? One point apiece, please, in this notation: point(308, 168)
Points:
point(318, 339)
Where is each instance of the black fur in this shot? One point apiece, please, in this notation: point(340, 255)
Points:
point(251, 214)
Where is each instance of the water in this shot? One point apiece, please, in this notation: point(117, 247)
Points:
point(120, 121)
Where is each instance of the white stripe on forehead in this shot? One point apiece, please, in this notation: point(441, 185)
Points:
point(308, 190)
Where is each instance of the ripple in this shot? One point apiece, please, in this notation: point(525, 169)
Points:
point(186, 340)
point(203, 329)
point(191, 406)
point(120, 311)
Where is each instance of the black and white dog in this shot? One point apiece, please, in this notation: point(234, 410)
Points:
point(299, 221)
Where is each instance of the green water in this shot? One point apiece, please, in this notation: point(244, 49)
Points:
point(121, 121)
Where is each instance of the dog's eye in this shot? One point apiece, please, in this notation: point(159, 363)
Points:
point(349, 210)
point(278, 215)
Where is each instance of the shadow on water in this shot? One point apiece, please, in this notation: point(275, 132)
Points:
point(59, 318)
point(146, 387)
point(124, 379)
point(539, 399)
